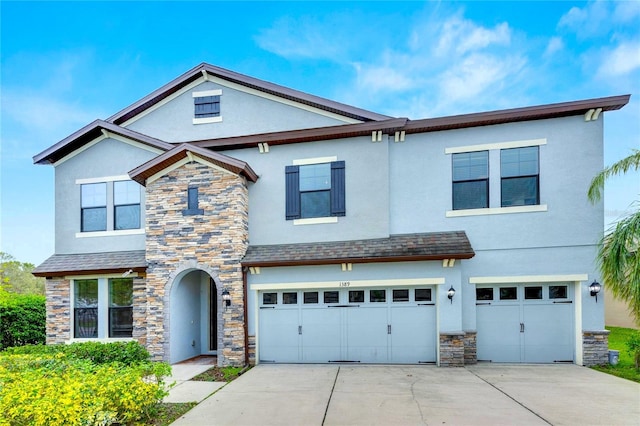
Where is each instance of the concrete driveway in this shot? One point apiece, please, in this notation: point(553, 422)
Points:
point(485, 394)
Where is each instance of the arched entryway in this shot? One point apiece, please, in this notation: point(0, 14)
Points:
point(194, 319)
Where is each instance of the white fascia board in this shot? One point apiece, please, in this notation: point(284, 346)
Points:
point(349, 284)
point(496, 145)
point(525, 279)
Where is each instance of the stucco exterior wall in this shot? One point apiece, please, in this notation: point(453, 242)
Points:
point(242, 113)
point(106, 158)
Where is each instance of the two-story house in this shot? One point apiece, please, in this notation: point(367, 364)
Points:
point(222, 214)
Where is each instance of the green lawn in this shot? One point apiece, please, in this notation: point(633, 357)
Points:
point(625, 368)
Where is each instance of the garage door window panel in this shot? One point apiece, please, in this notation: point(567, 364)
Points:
point(377, 296)
point(558, 292)
point(423, 295)
point(331, 297)
point(484, 293)
point(533, 293)
point(310, 297)
point(400, 295)
point(289, 298)
point(269, 298)
point(356, 296)
point(508, 293)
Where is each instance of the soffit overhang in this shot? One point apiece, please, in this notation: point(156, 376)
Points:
point(163, 162)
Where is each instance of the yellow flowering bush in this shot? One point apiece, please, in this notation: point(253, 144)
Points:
point(55, 389)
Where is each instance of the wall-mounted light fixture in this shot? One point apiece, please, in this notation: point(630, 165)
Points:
point(595, 288)
point(226, 297)
point(450, 293)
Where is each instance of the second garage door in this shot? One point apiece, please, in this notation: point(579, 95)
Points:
point(525, 323)
point(377, 325)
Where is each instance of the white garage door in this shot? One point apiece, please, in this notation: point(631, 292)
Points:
point(378, 325)
point(531, 323)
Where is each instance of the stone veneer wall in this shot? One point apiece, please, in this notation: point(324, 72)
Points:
point(252, 350)
point(452, 349)
point(58, 306)
point(595, 347)
point(215, 242)
point(470, 347)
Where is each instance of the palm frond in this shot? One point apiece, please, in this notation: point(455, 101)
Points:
point(632, 162)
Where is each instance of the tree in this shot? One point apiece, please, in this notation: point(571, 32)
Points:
point(618, 255)
point(16, 277)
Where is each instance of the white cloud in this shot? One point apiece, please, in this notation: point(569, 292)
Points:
point(382, 78)
point(555, 45)
point(626, 11)
point(461, 36)
point(622, 60)
point(591, 20)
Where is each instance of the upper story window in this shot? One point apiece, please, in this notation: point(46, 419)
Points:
point(206, 106)
point(94, 207)
point(192, 203)
point(112, 205)
point(471, 180)
point(519, 177)
point(126, 200)
point(315, 190)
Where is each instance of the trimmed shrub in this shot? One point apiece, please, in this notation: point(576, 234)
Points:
point(22, 320)
point(59, 388)
point(97, 352)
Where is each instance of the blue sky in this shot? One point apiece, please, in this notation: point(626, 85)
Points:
point(65, 64)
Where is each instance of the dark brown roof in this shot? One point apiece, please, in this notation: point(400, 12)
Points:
point(396, 248)
point(87, 134)
point(418, 126)
point(538, 112)
point(304, 135)
point(60, 265)
point(244, 80)
point(142, 173)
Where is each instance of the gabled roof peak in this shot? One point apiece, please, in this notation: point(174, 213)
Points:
point(263, 86)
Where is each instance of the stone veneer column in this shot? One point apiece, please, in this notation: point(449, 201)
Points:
point(214, 241)
point(595, 347)
point(452, 349)
point(58, 306)
point(140, 310)
point(470, 347)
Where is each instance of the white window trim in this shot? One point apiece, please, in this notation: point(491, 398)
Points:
point(315, 220)
point(102, 179)
point(203, 93)
point(495, 146)
point(114, 233)
point(103, 308)
point(497, 210)
point(206, 120)
point(349, 284)
point(317, 160)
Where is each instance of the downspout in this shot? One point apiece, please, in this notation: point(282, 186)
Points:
point(246, 319)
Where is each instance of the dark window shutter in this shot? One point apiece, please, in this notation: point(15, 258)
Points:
point(338, 205)
point(292, 192)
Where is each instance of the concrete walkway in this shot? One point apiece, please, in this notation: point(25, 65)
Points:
point(186, 390)
point(485, 394)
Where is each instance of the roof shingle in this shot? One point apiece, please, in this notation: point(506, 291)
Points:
point(88, 263)
point(396, 248)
